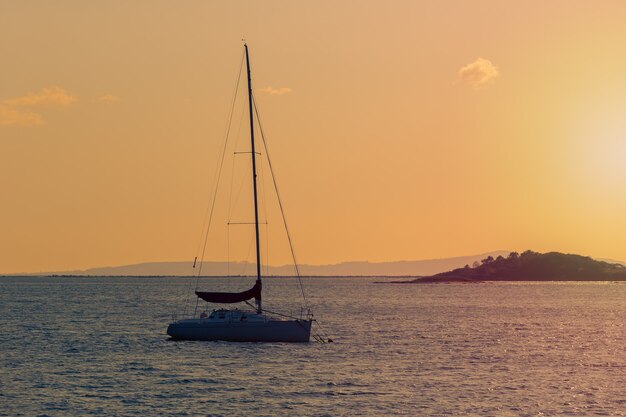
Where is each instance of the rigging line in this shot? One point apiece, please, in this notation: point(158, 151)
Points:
point(267, 250)
point(244, 267)
point(206, 212)
point(226, 135)
point(280, 203)
point(217, 183)
point(242, 183)
point(263, 198)
point(232, 171)
point(219, 173)
point(275, 312)
point(321, 334)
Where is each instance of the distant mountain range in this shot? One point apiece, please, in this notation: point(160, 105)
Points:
point(399, 268)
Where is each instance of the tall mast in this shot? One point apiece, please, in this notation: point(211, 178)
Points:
point(256, 202)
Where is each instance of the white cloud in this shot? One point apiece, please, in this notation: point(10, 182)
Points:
point(13, 111)
point(276, 91)
point(479, 73)
point(12, 117)
point(49, 96)
point(108, 98)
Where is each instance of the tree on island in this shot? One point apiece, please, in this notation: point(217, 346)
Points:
point(533, 266)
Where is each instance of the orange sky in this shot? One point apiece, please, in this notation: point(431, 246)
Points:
point(399, 130)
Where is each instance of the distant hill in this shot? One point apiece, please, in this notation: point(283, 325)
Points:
point(611, 261)
point(399, 268)
point(533, 266)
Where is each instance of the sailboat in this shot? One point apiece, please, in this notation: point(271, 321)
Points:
point(235, 325)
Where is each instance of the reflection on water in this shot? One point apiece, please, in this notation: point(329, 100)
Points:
point(79, 346)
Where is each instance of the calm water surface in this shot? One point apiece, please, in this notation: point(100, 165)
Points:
point(97, 346)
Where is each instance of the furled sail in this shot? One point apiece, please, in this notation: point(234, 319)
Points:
point(231, 297)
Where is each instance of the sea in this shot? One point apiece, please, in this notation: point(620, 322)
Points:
point(84, 346)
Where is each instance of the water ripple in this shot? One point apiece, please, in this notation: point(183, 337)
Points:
point(74, 346)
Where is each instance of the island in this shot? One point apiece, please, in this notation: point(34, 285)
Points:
point(530, 266)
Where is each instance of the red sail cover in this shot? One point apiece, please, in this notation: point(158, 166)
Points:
point(231, 297)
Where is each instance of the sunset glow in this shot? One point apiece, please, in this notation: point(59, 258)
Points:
point(409, 130)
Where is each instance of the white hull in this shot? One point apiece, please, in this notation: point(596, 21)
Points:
point(258, 329)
